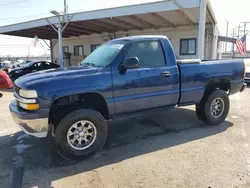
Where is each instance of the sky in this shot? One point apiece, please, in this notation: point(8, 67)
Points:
point(16, 11)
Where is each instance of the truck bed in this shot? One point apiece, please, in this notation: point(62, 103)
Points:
point(194, 76)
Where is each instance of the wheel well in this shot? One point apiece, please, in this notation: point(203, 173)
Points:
point(64, 105)
point(222, 83)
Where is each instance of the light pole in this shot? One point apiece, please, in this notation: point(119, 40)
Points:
point(226, 35)
point(63, 21)
point(59, 32)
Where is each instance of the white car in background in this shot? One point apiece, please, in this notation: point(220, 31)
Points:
point(247, 76)
point(6, 64)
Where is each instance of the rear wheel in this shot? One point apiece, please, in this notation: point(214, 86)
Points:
point(215, 108)
point(81, 133)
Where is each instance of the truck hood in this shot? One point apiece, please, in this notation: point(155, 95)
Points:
point(52, 75)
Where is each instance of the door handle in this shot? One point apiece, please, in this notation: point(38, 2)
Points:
point(165, 74)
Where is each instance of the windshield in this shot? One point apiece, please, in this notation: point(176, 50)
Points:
point(104, 54)
point(26, 64)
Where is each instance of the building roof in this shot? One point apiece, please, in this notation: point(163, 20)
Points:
point(168, 13)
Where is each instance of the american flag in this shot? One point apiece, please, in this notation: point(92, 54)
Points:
point(241, 45)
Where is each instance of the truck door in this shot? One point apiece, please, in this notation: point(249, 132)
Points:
point(152, 85)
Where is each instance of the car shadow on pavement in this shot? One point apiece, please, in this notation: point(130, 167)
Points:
point(128, 138)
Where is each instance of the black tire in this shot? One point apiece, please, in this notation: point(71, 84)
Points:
point(221, 95)
point(200, 112)
point(83, 114)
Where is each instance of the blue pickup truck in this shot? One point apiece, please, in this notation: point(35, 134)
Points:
point(123, 77)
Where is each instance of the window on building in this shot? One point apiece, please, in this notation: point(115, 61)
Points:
point(78, 50)
point(94, 46)
point(65, 49)
point(149, 53)
point(188, 46)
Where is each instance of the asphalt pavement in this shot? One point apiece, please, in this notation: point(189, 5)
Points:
point(170, 148)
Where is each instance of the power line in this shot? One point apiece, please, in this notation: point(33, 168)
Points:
point(20, 46)
point(20, 17)
point(11, 3)
point(31, 15)
point(15, 47)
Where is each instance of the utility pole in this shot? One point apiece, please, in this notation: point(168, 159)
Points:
point(233, 35)
point(29, 51)
point(245, 25)
point(63, 21)
point(239, 31)
point(65, 7)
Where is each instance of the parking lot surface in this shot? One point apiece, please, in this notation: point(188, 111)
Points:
point(170, 148)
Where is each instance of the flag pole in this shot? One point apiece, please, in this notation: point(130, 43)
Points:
point(233, 45)
point(233, 54)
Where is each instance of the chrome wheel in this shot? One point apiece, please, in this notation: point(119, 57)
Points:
point(217, 107)
point(81, 135)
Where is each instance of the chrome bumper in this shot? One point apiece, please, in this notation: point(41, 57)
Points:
point(247, 80)
point(30, 123)
point(243, 87)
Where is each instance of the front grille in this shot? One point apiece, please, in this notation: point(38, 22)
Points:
point(16, 89)
point(248, 74)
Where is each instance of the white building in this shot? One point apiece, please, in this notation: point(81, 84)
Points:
point(189, 24)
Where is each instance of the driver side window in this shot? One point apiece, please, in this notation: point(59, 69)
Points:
point(149, 53)
point(36, 66)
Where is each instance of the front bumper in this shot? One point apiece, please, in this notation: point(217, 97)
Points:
point(247, 80)
point(243, 87)
point(32, 123)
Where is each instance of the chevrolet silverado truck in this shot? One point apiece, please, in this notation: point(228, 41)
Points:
point(123, 77)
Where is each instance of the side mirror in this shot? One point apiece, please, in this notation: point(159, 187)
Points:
point(130, 63)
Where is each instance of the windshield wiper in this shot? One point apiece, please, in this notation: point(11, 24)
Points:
point(90, 64)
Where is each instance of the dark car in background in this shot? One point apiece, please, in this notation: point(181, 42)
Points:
point(30, 68)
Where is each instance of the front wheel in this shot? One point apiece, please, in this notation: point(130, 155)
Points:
point(216, 107)
point(81, 133)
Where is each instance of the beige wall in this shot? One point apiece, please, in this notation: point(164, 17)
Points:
point(174, 34)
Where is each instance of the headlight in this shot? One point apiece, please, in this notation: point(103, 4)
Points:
point(28, 93)
point(29, 106)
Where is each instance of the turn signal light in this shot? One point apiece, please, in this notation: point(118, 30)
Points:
point(32, 106)
point(29, 106)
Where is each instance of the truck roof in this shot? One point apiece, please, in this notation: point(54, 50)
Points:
point(141, 37)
